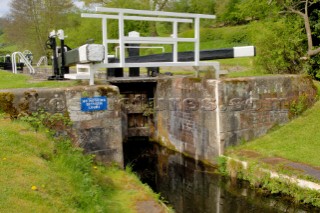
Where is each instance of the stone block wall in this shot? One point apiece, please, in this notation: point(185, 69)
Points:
point(249, 107)
point(197, 117)
point(185, 116)
point(98, 132)
point(200, 118)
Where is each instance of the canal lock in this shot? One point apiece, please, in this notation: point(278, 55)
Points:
point(185, 184)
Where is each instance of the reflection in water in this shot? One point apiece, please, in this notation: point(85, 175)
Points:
point(191, 187)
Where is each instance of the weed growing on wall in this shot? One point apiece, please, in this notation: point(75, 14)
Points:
point(222, 165)
point(297, 107)
point(56, 123)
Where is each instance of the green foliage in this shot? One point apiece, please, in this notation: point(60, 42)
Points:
point(42, 174)
point(29, 22)
point(226, 11)
point(279, 45)
point(9, 80)
point(255, 10)
point(313, 67)
point(237, 12)
point(148, 109)
point(56, 122)
point(82, 30)
point(259, 177)
point(194, 6)
point(219, 37)
point(299, 106)
point(78, 166)
point(6, 47)
point(248, 73)
point(222, 165)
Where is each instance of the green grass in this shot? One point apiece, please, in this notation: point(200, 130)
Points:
point(65, 179)
point(5, 47)
point(247, 73)
point(9, 80)
point(297, 141)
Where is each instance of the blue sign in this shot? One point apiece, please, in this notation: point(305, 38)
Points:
point(94, 104)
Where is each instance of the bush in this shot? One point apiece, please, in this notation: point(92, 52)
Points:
point(279, 45)
point(237, 35)
point(313, 67)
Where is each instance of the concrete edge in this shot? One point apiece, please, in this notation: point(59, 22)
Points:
point(306, 184)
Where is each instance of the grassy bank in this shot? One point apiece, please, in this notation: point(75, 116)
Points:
point(8, 80)
point(290, 150)
point(39, 174)
point(297, 141)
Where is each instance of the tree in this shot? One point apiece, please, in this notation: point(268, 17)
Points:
point(302, 9)
point(309, 12)
point(133, 4)
point(142, 27)
point(227, 10)
point(279, 44)
point(30, 21)
point(251, 10)
point(192, 6)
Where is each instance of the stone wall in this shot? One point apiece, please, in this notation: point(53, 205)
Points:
point(186, 116)
point(197, 117)
point(249, 107)
point(192, 120)
point(98, 132)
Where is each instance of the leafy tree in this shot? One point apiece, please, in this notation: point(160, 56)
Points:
point(193, 6)
point(250, 10)
point(80, 30)
point(30, 21)
point(140, 26)
point(304, 9)
point(287, 31)
point(308, 11)
point(227, 11)
point(2, 20)
point(279, 44)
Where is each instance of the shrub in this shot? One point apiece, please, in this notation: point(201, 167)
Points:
point(279, 45)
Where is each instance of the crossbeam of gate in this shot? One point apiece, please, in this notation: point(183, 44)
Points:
point(157, 16)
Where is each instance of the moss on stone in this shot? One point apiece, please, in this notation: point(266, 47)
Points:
point(107, 91)
point(6, 104)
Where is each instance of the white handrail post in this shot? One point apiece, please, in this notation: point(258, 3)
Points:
point(197, 42)
point(121, 39)
point(13, 62)
point(105, 38)
point(175, 45)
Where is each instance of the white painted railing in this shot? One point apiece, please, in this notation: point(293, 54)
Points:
point(43, 60)
point(87, 71)
point(157, 16)
point(23, 60)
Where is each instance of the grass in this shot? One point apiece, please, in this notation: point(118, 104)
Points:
point(9, 80)
point(6, 48)
point(297, 141)
point(246, 73)
point(39, 174)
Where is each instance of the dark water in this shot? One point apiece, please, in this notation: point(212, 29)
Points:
point(191, 187)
